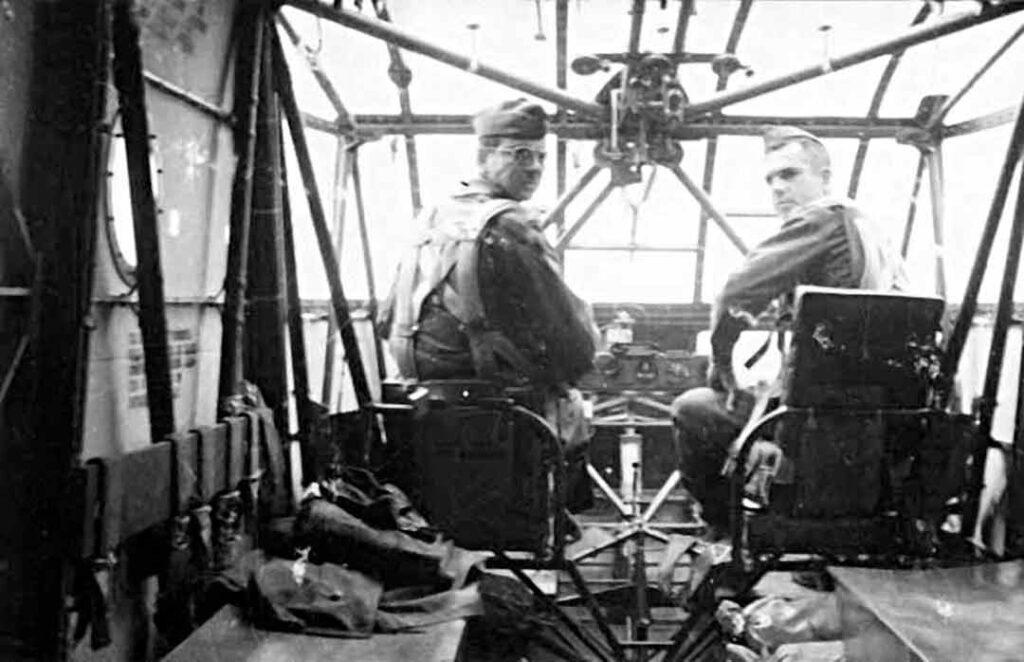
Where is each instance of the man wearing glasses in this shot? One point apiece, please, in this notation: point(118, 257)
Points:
point(480, 295)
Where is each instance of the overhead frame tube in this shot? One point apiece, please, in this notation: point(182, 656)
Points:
point(952, 101)
point(575, 128)
point(410, 42)
point(911, 37)
point(981, 123)
point(636, 25)
point(876, 104)
point(344, 118)
point(958, 337)
point(282, 79)
point(708, 206)
point(682, 24)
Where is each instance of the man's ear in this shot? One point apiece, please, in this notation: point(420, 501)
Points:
point(826, 177)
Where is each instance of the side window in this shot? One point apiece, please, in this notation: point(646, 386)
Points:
point(120, 230)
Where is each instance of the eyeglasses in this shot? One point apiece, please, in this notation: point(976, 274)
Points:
point(524, 155)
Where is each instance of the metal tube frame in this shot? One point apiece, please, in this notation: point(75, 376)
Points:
point(955, 99)
point(265, 354)
point(131, 90)
point(561, 81)
point(876, 103)
point(936, 188)
point(344, 119)
point(981, 123)
point(403, 39)
point(563, 240)
point(958, 336)
point(364, 237)
point(908, 229)
point(994, 370)
point(343, 172)
point(282, 80)
point(401, 76)
point(636, 25)
point(682, 25)
point(911, 37)
point(711, 149)
point(566, 199)
point(189, 98)
point(236, 276)
point(296, 330)
point(373, 125)
point(708, 206)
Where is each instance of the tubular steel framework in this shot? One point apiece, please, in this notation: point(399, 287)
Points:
point(579, 119)
point(583, 119)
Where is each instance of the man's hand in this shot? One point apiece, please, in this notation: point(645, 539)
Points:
point(721, 377)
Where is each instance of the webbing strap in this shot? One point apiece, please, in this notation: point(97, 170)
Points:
point(236, 449)
point(486, 344)
point(455, 267)
point(186, 474)
point(278, 498)
point(213, 460)
point(254, 472)
point(113, 498)
point(91, 507)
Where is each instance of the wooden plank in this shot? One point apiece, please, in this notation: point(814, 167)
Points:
point(227, 637)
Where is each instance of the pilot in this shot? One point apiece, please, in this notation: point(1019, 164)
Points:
point(824, 240)
point(481, 295)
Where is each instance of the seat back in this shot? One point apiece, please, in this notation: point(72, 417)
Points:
point(853, 349)
point(484, 467)
point(859, 379)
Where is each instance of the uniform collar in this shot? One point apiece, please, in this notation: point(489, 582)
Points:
point(477, 187)
point(824, 202)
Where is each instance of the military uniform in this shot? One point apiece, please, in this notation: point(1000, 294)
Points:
point(480, 296)
point(829, 243)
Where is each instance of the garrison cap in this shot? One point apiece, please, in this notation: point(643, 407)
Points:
point(777, 136)
point(518, 118)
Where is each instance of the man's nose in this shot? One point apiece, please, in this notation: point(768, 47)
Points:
point(534, 165)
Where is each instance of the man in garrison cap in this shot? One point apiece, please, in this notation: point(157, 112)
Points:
point(480, 294)
point(825, 241)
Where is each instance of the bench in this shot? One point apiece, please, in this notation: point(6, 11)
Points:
point(228, 637)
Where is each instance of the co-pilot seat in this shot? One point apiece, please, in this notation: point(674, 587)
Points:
point(481, 464)
point(877, 466)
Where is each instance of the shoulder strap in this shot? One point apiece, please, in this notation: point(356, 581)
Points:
point(486, 344)
point(453, 252)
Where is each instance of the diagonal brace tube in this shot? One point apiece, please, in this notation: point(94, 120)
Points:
point(411, 42)
point(709, 207)
point(911, 37)
point(569, 196)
